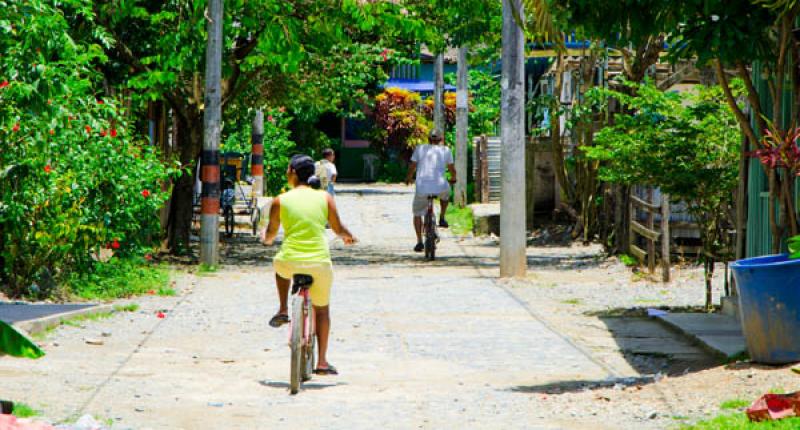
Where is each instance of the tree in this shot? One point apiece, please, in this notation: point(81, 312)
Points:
point(76, 180)
point(685, 144)
point(273, 53)
point(733, 35)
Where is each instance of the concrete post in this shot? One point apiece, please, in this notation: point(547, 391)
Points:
point(513, 240)
point(462, 117)
point(257, 155)
point(438, 93)
point(212, 115)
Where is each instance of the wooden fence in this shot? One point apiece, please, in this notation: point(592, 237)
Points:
point(649, 232)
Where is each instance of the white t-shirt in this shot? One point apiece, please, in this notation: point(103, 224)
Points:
point(431, 161)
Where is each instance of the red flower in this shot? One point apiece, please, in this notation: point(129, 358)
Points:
point(113, 132)
point(270, 118)
point(52, 132)
point(47, 169)
point(99, 102)
point(151, 292)
point(103, 133)
point(145, 193)
point(3, 84)
point(148, 257)
point(282, 109)
point(88, 129)
point(15, 128)
point(160, 314)
point(115, 244)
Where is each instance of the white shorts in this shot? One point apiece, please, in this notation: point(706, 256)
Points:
point(420, 205)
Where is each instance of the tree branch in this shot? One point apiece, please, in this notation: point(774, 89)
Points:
point(744, 122)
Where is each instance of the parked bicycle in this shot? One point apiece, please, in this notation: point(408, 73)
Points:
point(301, 333)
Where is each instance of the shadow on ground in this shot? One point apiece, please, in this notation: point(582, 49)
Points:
point(306, 385)
point(648, 347)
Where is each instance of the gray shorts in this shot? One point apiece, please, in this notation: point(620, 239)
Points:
point(420, 204)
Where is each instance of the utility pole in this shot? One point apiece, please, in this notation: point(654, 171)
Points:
point(438, 93)
point(513, 262)
point(257, 155)
point(462, 115)
point(212, 117)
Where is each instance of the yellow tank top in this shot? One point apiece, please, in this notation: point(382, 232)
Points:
point(304, 213)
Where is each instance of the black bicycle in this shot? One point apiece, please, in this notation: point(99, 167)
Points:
point(429, 230)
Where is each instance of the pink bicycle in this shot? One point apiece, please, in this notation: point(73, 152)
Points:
point(301, 332)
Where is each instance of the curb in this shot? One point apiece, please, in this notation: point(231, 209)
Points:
point(38, 325)
point(696, 339)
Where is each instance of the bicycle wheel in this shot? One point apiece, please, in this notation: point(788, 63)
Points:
point(296, 345)
point(430, 237)
point(229, 220)
point(308, 349)
point(255, 218)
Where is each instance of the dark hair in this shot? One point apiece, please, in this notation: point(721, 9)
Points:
point(327, 152)
point(303, 166)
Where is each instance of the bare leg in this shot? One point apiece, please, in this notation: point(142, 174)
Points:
point(323, 320)
point(283, 294)
point(418, 228)
point(443, 204)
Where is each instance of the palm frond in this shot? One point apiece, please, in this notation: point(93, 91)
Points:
point(541, 23)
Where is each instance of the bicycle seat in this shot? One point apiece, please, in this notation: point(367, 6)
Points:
point(300, 280)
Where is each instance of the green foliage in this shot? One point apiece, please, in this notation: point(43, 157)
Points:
point(793, 244)
point(740, 422)
point(23, 410)
point(118, 278)
point(78, 179)
point(278, 146)
point(628, 260)
point(731, 31)
point(130, 307)
point(734, 404)
point(460, 220)
point(688, 145)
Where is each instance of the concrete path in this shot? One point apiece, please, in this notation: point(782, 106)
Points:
point(419, 345)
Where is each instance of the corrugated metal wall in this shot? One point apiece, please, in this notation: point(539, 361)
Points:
point(759, 237)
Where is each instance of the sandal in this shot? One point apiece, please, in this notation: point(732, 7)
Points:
point(330, 370)
point(279, 320)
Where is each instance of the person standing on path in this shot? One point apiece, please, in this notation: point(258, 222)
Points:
point(326, 171)
point(303, 212)
point(429, 162)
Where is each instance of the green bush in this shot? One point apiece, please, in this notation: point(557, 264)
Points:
point(75, 178)
point(119, 278)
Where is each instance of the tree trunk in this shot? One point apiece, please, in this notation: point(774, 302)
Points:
point(182, 200)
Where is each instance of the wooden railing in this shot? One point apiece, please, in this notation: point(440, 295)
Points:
point(649, 233)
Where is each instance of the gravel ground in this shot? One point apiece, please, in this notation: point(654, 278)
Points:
point(421, 345)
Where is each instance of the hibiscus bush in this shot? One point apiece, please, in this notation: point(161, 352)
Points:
point(75, 180)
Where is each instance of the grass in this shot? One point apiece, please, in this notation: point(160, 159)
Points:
point(460, 220)
point(628, 260)
point(572, 302)
point(21, 410)
point(166, 291)
point(739, 421)
point(130, 307)
point(78, 320)
point(119, 278)
point(207, 268)
point(734, 404)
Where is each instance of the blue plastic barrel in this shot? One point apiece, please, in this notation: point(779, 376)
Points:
point(769, 305)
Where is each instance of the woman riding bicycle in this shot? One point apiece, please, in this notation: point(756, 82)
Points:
point(303, 212)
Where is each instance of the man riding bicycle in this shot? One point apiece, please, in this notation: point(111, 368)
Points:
point(303, 212)
point(428, 162)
